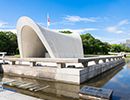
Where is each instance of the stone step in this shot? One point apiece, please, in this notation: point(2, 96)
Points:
point(25, 85)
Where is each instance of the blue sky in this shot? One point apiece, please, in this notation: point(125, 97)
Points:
point(108, 20)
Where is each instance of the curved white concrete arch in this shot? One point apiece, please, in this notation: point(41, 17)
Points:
point(35, 41)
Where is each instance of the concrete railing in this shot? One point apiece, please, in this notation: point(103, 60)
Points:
point(61, 62)
point(104, 59)
point(2, 55)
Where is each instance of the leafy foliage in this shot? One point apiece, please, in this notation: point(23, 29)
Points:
point(66, 32)
point(94, 46)
point(8, 42)
point(119, 48)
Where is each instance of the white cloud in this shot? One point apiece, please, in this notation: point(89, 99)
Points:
point(63, 22)
point(70, 20)
point(11, 30)
point(114, 29)
point(80, 31)
point(5, 26)
point(123, 22)
point(2, 24)
point(79, 19)
point(111, 40)
point(116, 41)
point(118, 27)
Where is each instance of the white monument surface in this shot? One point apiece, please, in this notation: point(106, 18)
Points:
point(37, 41)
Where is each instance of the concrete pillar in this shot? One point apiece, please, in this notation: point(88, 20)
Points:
point(12, 62)
point(85, 64)
point(109, 59)
point(96, 61)
point(61, 65)
point(32, 63)
point(3, 55)
point(113, 59)
point(104, 60)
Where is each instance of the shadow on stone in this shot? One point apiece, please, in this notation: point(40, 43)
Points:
point(1, 73)
point(1, 69)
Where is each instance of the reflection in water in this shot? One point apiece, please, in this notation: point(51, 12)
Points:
point(120, 83)
point(55, 91)
point(117, 79)
point(102, 79)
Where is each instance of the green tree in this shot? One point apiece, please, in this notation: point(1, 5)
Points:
point(94, 46)
point(66, 32)
point(119, 48)
point(116, 48)
point(8, 42)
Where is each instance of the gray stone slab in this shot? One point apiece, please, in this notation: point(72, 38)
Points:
point(96, 92)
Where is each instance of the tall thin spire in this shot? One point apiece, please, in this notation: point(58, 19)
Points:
point(48, 21)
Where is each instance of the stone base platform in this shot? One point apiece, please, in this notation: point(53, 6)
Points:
point(68, 75)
